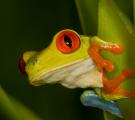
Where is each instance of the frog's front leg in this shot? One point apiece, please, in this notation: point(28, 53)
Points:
point(90, 98)
point(110, 86)
point(113, 86)
point(97, 45)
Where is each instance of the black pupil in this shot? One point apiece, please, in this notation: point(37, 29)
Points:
point(68, 41)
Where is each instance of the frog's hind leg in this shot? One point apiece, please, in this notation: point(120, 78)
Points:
point(90, 98)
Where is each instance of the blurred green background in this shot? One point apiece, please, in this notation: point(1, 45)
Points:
point(30, 25)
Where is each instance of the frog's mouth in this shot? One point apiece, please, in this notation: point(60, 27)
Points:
point(81, 74)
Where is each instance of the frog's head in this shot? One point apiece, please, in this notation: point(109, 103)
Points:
point(65, 60)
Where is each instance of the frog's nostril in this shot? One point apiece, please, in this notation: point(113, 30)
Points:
point(22, 65)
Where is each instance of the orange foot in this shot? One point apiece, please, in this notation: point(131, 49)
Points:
point(111, 86)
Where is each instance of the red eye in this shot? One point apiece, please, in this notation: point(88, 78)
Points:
point(21, 66)
point(67, 41)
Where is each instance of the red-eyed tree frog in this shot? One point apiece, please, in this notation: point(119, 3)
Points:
point(74, 61)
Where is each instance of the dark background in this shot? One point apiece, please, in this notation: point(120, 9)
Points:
point(30, 25)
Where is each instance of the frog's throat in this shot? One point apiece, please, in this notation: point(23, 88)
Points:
point(82, 74)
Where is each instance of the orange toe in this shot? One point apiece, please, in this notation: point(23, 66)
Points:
point(128, 73)
point(125, 93)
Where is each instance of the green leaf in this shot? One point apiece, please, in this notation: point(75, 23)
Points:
point(13, 110)
point(109, 116)
point(134, 12)
point(87, 10)
point(115, 26)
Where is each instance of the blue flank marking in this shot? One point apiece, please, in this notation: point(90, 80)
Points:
point(90, 98)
